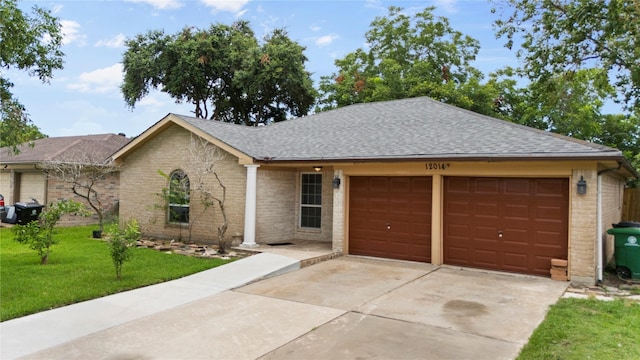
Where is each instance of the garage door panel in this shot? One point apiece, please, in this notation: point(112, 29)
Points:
point(551, 187)
point(457, 208)
point(485, 257)
point(531, 215)
point(399, 185)
point(517, 212)
point(486, 209)
point(484, 232)
point(518, 187)
point(486, 186)
point(515, 260)
point(461, 185)
point(515, 237)
point(544, 238)
point(399, 217)
point(32, 186)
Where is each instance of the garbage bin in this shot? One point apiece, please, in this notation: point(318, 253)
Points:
point(27, 212)
point(627, 249)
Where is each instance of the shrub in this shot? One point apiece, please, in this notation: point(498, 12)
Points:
point(120, 241)
point(39, 234)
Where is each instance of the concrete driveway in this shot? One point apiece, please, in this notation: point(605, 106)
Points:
point(346, 308)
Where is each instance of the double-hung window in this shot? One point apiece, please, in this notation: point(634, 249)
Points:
point(311, 201)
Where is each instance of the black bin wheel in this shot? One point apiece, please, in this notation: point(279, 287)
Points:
point(623, 272)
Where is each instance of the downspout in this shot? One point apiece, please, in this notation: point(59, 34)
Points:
point(599, 220)
point(599, 227)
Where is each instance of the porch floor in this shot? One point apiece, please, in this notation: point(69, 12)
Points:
point(307, 251)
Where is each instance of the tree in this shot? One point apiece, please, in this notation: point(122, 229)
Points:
point(84, 173)
point(205, 158)
point(409, 56)
point(564, 36)
point(120, 242)
point(30, 43)
point(223, 67)
point(39, 234)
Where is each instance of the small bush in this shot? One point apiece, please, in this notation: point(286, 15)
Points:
point(39, 234)
point(120, 242)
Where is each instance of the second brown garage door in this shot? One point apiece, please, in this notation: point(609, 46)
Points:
point(390, 217)
point(507, 224)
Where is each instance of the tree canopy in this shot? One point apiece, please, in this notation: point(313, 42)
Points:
point(31, 43)
point(419, 55)
point(576, 55)
point(225, 67)
point(557, 37)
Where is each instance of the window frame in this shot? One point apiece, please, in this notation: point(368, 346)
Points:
point(184, 203)
point(302, 205)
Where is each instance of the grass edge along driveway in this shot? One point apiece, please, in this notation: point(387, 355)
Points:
point(80, 268)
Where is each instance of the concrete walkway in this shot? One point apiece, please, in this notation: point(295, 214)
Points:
point(30, 334)
point(345, 308)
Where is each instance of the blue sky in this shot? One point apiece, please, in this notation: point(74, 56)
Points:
point(84, 97)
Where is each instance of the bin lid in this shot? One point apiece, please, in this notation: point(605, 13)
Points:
point(21, 205)
point(625, 231)
point(626, 224)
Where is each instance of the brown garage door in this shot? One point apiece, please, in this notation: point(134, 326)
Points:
point(506, 224)
point(390, 217)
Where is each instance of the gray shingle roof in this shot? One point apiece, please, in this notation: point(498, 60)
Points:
point(415, 128)
point(65, 148)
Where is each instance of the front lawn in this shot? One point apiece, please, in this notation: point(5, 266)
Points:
point(80, 268)
point(587, 329)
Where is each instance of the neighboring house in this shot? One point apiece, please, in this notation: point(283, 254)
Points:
point(411, 179)
point(23, 179)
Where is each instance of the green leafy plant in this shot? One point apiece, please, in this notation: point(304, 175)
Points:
point(121, 241)
point(39, 234)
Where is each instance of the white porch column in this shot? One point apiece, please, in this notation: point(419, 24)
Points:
point(250, 208)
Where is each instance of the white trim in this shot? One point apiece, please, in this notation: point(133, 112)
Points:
point(250, 207)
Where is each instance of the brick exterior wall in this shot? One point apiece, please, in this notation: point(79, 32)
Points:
point(338, 241)
point(583, 262)
point(108, 190)
point(275, 205)
point(140, 185)
point(583, 229)
point(612, 196)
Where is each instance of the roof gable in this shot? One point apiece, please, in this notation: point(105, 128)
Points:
point(179, 120)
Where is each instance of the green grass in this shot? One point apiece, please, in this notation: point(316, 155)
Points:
point(587, 329)
point(80, 268)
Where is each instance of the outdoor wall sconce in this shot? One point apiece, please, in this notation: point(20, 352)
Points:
point(582, 186)
point(317, 168)
point(336, 182)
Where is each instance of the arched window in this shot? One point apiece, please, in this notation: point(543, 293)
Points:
point(179, 191)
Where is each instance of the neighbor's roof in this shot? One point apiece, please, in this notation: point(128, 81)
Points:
point(65, 148)
point(415, 128)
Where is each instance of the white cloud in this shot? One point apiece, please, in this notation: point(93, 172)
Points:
point(160, 4)
point(448, 6)
point(315, 28)
point(326, 40)
point(151, 101)
point(71, 33)
point(233, 6)
point(56, 9)
point(100, 81)
point(115, 42)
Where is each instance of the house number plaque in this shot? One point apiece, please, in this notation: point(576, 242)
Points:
point(437, 166)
